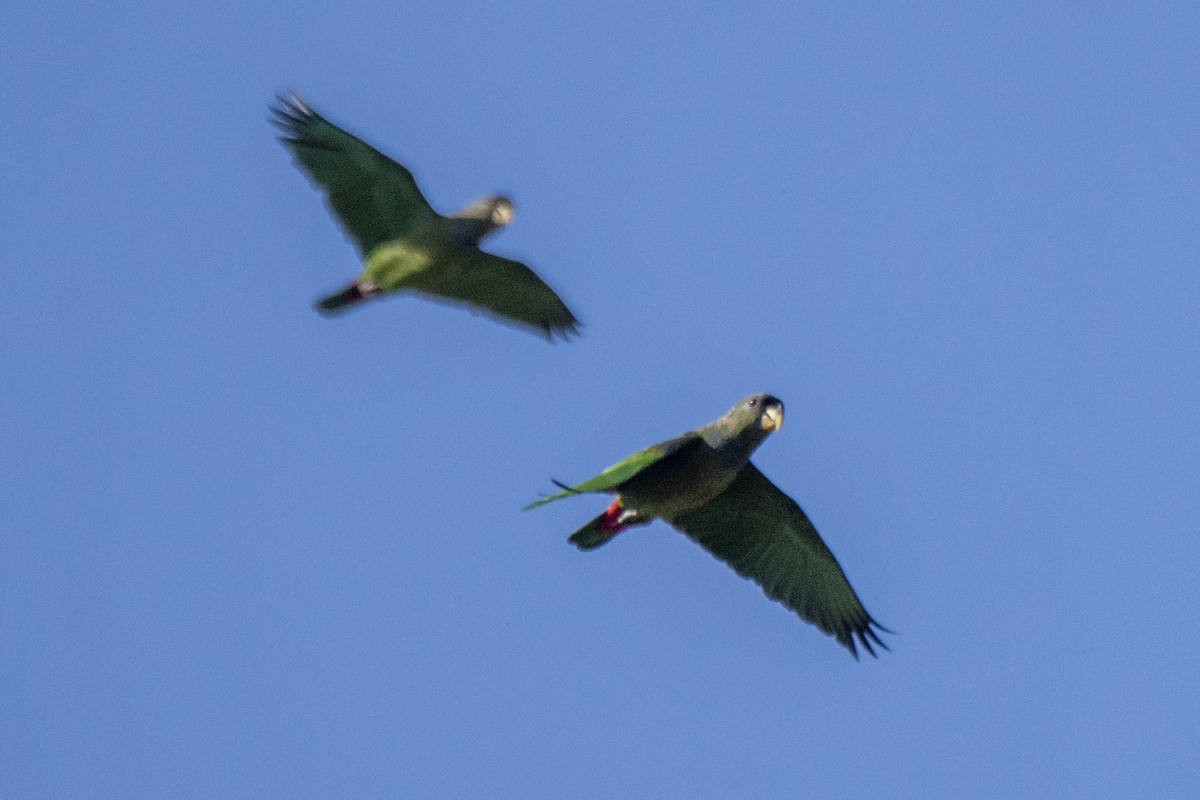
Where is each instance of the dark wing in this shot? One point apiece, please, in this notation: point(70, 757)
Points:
point(375, 198)
point(623, 470)
point(764, 535)
point(504, 288)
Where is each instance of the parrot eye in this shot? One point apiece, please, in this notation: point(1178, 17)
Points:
point(753, 402)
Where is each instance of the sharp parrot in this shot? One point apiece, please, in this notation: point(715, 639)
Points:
point(703, 484)
point(404, 243)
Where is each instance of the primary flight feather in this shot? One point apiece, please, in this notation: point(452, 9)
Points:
point(704, 485)
point(405, 244)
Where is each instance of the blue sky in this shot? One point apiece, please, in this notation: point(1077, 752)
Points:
point(248, 551)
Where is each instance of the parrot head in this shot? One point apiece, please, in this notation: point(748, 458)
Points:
point(490, 212)
point(758, 415)
point(751, 419)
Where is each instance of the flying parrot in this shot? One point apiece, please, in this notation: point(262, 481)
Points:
point(405, 244)
point(703, 484)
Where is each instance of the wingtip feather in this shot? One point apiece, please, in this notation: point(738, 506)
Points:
point(866, 637)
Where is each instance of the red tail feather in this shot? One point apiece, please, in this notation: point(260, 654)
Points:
point(610, 520)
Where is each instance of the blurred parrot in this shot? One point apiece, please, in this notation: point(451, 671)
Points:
point(703, 484)
point(405, 244)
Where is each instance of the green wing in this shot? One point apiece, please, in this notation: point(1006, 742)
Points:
point(623, 470)
point(505, 288)
point(765, 536)
point(375, 198)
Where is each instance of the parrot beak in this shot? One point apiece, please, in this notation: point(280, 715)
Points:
point(502, 212)
point(772, 418)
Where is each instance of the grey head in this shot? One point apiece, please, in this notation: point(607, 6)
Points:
point(469, 226)
point(746, 424)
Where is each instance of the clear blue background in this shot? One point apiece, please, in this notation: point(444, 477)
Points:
point(247, 551)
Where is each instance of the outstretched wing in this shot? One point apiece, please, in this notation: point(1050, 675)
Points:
point(765, 536)
point(624, 469)
point(504, 288)
point(375, 198)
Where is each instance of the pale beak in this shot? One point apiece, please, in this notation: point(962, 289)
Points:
point(772, 418)
point(502, 215)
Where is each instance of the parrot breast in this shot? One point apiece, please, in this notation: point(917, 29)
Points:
point(680, 483)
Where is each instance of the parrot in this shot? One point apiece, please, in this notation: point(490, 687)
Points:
point(404, 243)
point(703, 484)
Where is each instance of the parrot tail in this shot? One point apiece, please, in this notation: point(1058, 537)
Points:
point(592, 535)
point(604, 527)
point(352, 295)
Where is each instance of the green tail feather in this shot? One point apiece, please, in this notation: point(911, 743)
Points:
point(592, 535)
